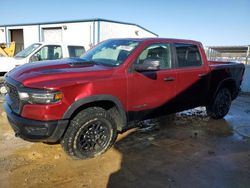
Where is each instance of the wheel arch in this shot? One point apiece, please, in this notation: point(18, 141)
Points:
point(227, 83)
point(107, 102)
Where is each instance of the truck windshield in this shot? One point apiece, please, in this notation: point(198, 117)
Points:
point(112, 52)
point(27, 51)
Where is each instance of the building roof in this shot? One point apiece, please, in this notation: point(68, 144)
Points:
point(230, 49)
point(76, 21)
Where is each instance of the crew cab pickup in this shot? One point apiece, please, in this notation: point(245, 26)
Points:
point(38, 52)
point(83, 103)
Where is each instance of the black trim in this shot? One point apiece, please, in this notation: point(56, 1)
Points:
point(73, 107)
point(33, 130)
point(224, 83)
point(15, 84)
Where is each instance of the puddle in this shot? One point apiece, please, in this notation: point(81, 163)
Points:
point(168, 155)
point(243, 131)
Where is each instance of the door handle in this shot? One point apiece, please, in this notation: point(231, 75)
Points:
point(169, 79)
point(201, 75)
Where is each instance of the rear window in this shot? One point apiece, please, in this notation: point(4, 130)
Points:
point(76, 51)
point(188, 55)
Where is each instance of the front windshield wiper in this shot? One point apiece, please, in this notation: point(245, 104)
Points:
point(97, 63)
point(82, 62)
point(104, 64)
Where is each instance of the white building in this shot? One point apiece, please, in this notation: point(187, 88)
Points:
point(84, 32)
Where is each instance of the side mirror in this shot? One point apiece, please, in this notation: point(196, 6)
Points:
point(35, 57)
point(148, 65)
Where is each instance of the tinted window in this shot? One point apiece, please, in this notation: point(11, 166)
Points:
point(188, 55)
point(159, 52)
point(76, 51)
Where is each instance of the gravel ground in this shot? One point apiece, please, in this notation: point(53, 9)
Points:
point(186, 150)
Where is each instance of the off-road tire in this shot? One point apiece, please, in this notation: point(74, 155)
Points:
point(220, 105)
point(90, 133)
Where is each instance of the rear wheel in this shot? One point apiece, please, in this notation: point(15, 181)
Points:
point(90, 133)
point(221, 104)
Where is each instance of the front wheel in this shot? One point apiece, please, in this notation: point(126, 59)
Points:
point(90, 133)
point(221, 104)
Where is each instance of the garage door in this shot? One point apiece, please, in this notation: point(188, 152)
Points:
point(52, 34)
point(17, 36)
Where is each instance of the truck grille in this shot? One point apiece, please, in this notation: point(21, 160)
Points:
point(13, 94)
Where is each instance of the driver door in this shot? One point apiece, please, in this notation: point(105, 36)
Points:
point(151, 92)
point(48, 52)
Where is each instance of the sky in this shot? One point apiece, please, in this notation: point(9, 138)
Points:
point(213, 22)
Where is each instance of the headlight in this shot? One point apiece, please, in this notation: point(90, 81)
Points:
point(41, 97)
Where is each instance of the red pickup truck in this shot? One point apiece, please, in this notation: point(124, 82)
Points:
point(83, 103)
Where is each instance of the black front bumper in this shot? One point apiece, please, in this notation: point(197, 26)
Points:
point(33, 130)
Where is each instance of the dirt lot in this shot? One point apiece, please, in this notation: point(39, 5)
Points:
point(188, 150)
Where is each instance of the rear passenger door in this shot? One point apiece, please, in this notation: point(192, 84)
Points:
point(192, 75)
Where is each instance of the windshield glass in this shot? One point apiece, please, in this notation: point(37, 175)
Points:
point(27, 51)
point(111, 52)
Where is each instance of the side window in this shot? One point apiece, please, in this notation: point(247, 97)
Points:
point(161, 52)
point(76, 51)
point(188, 55)
point(49, 52)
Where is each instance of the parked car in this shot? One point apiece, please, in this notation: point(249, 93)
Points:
point(83, 103)
point(38, 52)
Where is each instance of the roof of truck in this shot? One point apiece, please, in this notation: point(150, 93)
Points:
point(156, 39)
point(58, 43)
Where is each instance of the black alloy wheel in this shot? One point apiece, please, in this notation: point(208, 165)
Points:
point(91, 132)
point(93, 137)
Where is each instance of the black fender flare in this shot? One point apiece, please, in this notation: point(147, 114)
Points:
point(95, 98)
point(222, 84)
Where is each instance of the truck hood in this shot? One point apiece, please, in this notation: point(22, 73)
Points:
point(50, 74)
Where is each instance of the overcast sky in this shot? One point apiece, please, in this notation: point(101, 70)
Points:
point(213, 22)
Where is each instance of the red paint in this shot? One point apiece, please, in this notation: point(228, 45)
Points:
point(135, 91)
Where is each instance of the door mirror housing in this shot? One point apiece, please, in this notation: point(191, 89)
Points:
point(148, 65)
point(35, 57)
